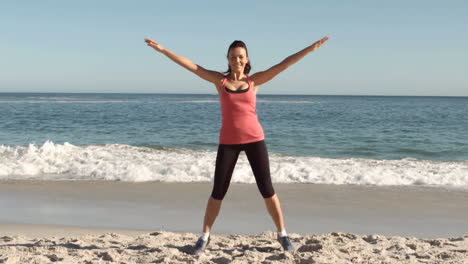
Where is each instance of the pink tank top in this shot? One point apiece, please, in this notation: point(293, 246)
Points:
point(240, 123)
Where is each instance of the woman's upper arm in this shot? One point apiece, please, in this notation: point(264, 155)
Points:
point(211, 76)
point(262, 77)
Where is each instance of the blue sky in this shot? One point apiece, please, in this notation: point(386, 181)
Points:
point(375, 47)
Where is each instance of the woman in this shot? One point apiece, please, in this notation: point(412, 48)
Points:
point(240, 129)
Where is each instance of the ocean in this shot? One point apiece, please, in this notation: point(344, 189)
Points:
point(364, 140)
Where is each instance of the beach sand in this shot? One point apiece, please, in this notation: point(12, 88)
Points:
point(153, 222)
point(127, 246)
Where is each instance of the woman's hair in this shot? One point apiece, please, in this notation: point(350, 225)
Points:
point(237, 44)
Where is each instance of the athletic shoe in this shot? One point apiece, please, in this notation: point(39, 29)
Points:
point(286, 243)
point(200, 246)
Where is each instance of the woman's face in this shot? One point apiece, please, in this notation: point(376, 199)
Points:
point(237, 59)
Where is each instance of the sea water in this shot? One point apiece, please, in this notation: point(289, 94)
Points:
point(371, 140)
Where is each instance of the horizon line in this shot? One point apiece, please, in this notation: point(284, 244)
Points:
point(217, 94)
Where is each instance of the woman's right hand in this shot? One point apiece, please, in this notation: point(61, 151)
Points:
point(154, 45)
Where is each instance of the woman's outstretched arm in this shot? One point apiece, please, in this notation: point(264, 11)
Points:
point(262, 77)
point(211, 76)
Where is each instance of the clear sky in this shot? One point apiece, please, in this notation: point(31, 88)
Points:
point(398, 47)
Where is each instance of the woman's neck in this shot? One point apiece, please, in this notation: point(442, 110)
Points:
point(236, 76)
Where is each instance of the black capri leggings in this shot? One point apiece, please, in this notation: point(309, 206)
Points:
point(226, 160)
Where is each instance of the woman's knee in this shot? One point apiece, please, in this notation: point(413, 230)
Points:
point(267, 193)
point(218, 195)
point(268, 196)
point(265, 186)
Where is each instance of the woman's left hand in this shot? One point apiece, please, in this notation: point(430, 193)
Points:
point(319, 43)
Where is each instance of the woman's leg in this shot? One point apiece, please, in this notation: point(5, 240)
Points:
point(212, 211)
point(257, 155)
point(274, 208)
point(225, 162)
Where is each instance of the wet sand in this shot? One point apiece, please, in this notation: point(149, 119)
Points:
point(179, 207)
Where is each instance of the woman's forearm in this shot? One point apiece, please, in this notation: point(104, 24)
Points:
point(181, 60)
point(265, 76)
point(301, 54)
point(203, 73)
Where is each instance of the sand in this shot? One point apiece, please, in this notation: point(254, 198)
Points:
point(124, 246)
point(118, 222)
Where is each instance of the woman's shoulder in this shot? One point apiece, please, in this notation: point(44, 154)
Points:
point(220, 81)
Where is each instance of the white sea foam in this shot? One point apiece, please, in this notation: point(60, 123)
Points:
point(287, 102)
point(66, 102)
point(138, 164)
point(198, 101)
point(53, 97)
point(259, 101)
